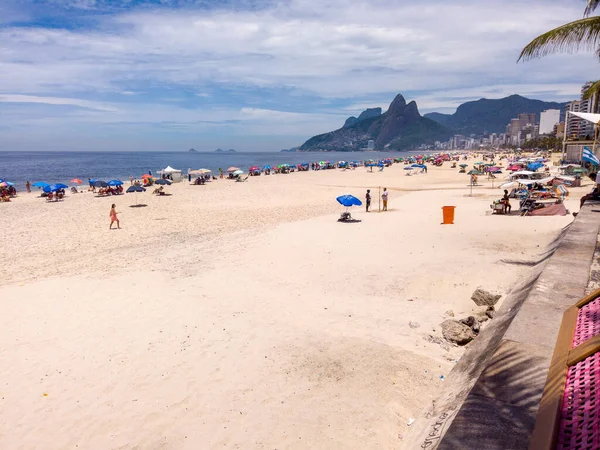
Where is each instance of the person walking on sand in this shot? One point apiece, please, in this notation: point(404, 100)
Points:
point(113, 217)
point(384, 197)
point(368, 199)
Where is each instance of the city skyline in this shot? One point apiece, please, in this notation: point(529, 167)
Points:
point(257, 75)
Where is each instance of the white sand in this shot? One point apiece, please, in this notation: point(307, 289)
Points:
point(242, 315)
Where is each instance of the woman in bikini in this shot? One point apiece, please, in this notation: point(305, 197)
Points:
point(113, 217)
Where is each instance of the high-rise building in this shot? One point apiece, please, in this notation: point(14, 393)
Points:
point(578, 128)
point(527, 119)
point(548, 119)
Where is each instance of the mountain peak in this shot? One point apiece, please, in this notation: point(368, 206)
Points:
point(366, 114)
point(399, 103)
point(400, 127)
point(491, 115)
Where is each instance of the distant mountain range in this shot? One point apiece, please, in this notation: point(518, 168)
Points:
point(400, 127)
point(486, 116)
point(220, 150)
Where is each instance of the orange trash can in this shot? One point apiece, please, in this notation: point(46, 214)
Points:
point(448, 215)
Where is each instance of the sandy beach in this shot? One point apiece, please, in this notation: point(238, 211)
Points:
point(243, 315)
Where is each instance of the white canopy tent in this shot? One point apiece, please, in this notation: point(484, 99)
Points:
point(590, 117)
point(169, 169)
point(174, 174)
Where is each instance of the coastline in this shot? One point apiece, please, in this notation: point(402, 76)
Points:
point(243, 314)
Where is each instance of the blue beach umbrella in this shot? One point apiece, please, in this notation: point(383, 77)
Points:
point(267, 167)
point(167, 182)
point(40, 184)
point(348, 200)
point(100, 184)
point(115, 183)
point(55, 187)
point(135, 188)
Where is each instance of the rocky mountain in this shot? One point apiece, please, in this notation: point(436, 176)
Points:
point(401, 127)
point(366, 114)
point(486, 116)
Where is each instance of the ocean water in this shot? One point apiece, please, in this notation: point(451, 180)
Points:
point(60, 167)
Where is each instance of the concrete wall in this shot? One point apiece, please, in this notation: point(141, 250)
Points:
point(493, 393)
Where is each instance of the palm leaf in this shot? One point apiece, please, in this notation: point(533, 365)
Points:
point(593, 92)
point(593, 89)
point(591, 7)
point(574, 36)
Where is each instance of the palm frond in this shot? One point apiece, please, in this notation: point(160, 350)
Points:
point(593, 89)
point(591, 7)
point(574, 36)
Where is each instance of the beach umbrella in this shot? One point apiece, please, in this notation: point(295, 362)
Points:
point(238, 172)
point(40, 184)
point(233, 169)
point(146, 175)
point(115, 183)
point(348, 200)
point(135, 189)
point(55, 187)
point(474, 172)
point(253, 169)
point(163, 182)
point(204, 171)
point(76, 180)
point(3, 184)
point(100, 184)
point(267, 167)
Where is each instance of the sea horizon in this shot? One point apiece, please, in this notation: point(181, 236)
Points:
point(53, 166)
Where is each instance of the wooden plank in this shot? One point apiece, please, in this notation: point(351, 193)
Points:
point(584, 350)
point(588, 298)
point(548, 415)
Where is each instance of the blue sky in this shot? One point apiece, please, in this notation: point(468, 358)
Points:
point(258, 75)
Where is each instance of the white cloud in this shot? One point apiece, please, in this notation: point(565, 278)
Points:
point(440, 53)
point(11, 98)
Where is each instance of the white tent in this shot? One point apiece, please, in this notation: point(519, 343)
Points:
point(174, 174)
point(169, 169)
point(590, 117)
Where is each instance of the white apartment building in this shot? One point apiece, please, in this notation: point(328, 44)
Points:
point(548, 120)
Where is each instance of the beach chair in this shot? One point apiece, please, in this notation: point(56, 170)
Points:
point(50, 197)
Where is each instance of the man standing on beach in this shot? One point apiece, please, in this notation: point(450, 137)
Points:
point(384, 197)
point(368, 199)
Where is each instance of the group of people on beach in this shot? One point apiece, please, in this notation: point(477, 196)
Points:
point(384, 199)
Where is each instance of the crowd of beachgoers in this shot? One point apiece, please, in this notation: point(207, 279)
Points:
point(529, 179)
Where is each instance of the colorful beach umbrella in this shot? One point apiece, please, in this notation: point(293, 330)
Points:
point(253, 169)
point(233, 169)
point(146, 175)
point(40, 184)
point(76, 180)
